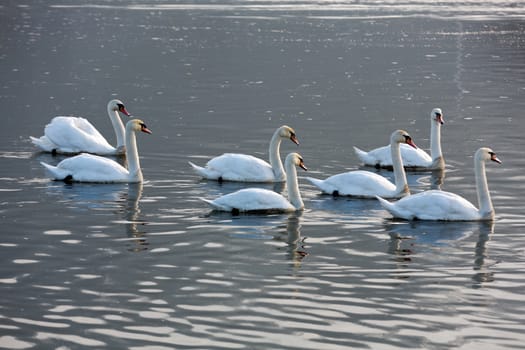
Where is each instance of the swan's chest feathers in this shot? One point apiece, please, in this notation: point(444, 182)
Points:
point(241, 167)
point(253, 199)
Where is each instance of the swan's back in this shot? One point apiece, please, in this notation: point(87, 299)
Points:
point(89, 168)
point(251, 200)
point(382, 157)
point(240, 167)
point(433, 205)
point(75, 134)
point(356, 183)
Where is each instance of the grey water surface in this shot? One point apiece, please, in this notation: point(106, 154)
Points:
point(148, 266)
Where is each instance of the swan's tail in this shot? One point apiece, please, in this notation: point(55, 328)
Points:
point(205, 172)
point(43, 143)
point(316, 182)
point(198, 169)
point(362, 155)
point(384, 203)
point(57, 173)
point(214, 205)
point(390, 207)
point(322, 185)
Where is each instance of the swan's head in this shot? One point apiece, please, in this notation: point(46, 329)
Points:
point(485, 153)
point(288, 133)
point(437, 116)
point(137, 125)
point(118, 106)
point(297, 160)
point(401, 136)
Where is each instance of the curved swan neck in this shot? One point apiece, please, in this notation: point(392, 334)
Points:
point(400, 177)
point(294, 195)
point(132, 155)
point(275, 157)
point(118, 126)
point(484, 201)
point(435, 141)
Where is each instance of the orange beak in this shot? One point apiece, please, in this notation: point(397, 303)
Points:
point(123, 110)
point(410, 142)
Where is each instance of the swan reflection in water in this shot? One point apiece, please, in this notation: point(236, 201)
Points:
point(433, 180)
point(87, 196)
point(295, 243)
point(120, 199)
point(131, 210)
point(437, 178)
point(405, 237)
point(282, 228)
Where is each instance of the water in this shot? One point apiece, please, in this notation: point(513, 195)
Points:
point(149, 267)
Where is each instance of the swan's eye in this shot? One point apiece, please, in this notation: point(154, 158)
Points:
point(438, 114)
point(120, 106)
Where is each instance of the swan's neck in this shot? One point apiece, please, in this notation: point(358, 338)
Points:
point(132, 156)
point(294, 195)
point(275, 157)
point(485, 203)
point(435, 143)
point(118, 127)
point(400, 177)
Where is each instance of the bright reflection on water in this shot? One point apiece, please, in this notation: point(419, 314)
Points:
point(148, 266)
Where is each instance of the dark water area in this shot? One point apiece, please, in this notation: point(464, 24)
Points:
point(148, 266)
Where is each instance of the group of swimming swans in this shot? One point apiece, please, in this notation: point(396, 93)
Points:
point(73, 135)
point(70, 135)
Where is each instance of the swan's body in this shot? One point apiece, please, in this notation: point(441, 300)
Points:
point(247, 168)
point(367, 184)
point(446, 206)
point(412, 158)
point(91, 168)
point(70, 135)
point(261, 200)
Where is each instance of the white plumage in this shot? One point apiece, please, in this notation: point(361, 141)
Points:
point(446, 206)
point(357, 183)
point(412, 158)
point(367, 184)
point(236, 167)
point(247, 168)
point(251, 199)
point(92, 168)
point(71, 135)
point(262, 200)
point(87, 167)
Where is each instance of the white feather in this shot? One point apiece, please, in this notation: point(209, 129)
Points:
point(71, 135)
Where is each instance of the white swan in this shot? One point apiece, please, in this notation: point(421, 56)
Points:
point(91, 168)
point(446, 206)
point(366, 184)
point(412, 158)
point(70, 135)
point(246, 168)
point(262, 200)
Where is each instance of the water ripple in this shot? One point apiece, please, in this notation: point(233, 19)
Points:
point(465, 10)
